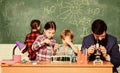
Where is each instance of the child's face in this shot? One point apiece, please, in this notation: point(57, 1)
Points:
point(49, 33)
point(66, 39)
point(38, 28)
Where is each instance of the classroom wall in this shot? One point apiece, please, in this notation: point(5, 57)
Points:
point(77, 15)
point(6, 51)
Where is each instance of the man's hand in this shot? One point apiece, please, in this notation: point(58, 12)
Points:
point(103, 50)
point(91, 50)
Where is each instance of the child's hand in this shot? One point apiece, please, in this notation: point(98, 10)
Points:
point(68, 40)
point(47, 41)
point(56, 46)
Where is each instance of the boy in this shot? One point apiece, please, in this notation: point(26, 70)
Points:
point(67, 48)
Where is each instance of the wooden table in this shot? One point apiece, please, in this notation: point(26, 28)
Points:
point(106, 67)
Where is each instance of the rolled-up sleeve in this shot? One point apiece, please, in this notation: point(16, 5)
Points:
point(38, 43)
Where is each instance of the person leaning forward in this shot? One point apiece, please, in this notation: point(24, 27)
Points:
point(108, 44)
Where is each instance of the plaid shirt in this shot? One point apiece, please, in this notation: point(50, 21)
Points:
point(45, 51)
point(30, 38)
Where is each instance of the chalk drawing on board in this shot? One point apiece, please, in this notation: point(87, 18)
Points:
point(70, 12)
point(47, 14)
point(85, 23)
point(59, 3)
point(95, 11)
point(12, 10)
point(73, 12)
point(50, 10)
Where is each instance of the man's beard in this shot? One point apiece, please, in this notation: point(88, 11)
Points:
point(102, 42)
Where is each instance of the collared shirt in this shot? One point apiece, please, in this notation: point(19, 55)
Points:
point(45, 51)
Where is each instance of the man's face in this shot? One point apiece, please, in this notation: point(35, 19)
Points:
point(101, 36)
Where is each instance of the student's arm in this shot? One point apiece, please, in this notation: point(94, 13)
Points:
point(38, 43)
point(73, 47)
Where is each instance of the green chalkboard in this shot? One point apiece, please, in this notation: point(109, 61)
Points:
point(77, 15)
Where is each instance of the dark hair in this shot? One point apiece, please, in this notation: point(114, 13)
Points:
point(34, 24)
point(50, 24)
point(99, 26)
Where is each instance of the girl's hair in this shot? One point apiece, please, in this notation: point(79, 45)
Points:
point(67, 32)
point(50, 25)
point(34, 24)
